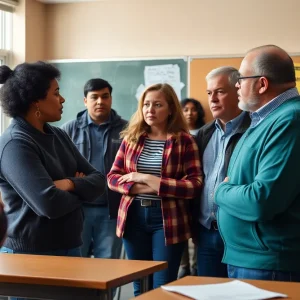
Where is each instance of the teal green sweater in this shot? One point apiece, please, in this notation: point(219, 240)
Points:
point(259, 208)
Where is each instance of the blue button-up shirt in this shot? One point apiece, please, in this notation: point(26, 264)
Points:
point(264, 111)
point(213, 167)
point(97, 134)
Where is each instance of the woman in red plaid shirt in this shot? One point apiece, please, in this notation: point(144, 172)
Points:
point(157, 169)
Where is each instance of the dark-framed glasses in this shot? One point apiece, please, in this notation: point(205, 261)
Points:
point(246, 77)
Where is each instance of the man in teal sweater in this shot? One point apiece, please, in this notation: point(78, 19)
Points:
point(259, 201)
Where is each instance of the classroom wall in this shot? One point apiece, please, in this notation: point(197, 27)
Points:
point(135, 28)
point(29, 27)
point(36, 39)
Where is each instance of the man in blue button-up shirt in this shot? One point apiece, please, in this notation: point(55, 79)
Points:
point(96, 134)
point(216, 142)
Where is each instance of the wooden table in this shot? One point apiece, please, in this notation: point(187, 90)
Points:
point(70, 278)
point(292, 289)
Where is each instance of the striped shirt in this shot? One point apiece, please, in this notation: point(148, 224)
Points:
point(180, 183)
point(150, 162)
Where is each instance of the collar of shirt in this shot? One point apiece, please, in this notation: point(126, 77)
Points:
point(231, 126)
point(264, 111)
point(91, 122)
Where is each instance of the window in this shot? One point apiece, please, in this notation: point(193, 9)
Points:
point(5, 50)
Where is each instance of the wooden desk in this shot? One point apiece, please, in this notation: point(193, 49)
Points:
point(63, 278)
point(292, 289)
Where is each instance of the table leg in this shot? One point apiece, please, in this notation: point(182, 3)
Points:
point(108, 295)
point(144, 284)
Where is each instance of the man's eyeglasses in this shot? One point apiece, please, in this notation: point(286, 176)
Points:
point(246, 77)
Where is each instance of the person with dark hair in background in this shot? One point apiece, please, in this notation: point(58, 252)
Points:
point(96, 134)
point(44, 180)
point(259, 200)
point(158, 172)
point(194, 115)
point(216, 141)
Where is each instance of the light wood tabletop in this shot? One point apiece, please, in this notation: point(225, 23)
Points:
point(292, 289)
point(69, 278)
point(73, 271)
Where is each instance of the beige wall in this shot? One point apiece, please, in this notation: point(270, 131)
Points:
point(29, 23)
point(35, 30)
point(135, 28)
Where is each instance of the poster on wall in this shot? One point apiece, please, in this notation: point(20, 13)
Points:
point(297, 70)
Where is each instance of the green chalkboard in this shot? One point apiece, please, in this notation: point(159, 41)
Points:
point(126, 78)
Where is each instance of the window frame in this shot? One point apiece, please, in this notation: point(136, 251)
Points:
point(5, 53)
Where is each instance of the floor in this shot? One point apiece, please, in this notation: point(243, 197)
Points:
point(126, 292)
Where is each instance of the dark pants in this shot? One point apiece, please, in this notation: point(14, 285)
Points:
point(210, 253)
point(244, 273)
point(100, 230)
point(144, 240)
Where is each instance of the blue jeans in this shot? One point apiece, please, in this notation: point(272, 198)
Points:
point(74, 252)
point(144, 240)
point(244, 273)
point(210, 251)
point(100, 230)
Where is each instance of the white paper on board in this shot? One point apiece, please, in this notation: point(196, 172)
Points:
point(164, 74)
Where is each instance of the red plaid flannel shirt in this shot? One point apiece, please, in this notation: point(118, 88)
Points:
point(181, 181)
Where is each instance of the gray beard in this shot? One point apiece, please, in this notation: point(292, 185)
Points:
point(250, 106)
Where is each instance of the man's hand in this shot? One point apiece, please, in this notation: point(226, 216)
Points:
point(226, 179)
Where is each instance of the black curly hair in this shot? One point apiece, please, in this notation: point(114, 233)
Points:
point(27, 83)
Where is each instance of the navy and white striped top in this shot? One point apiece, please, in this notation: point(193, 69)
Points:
point(150, 162)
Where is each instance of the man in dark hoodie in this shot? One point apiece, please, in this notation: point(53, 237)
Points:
point(95, 132)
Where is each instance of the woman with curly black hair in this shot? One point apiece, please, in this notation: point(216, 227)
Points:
point(43, 178)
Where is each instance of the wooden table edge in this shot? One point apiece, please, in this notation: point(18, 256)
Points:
point(67, 282)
